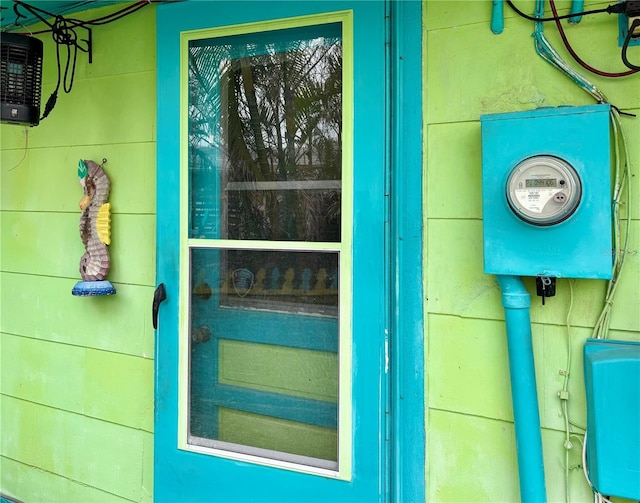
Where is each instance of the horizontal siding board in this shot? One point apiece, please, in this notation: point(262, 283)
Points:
point(43, 308)
point(468, 367)
point(49, 244)
point(31, 484)
point(474, 460)
point(41, 243)
point(461, 88)
point(127, 46)
point(554, 457)
point(81, 380)
point(551, 363)
point(441, 15)
point(465, 79)
point(103, 455)
point(457, 285)
point(104, 110)
point(133, 249)
point(455, 180)
point(12, 138)
point(101, 111)
point(132, 36)
point(47, 179)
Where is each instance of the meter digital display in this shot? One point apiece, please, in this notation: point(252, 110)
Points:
point(543, 190)
point(541, 182)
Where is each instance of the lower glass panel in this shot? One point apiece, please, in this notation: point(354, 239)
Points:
point(263, 370)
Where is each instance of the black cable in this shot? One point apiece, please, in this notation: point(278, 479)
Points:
point(611, 9)
point(63, 34)
point(625, 45)
point(577, 58)
point(51, 102)
point(114, 16)
point(109, 18)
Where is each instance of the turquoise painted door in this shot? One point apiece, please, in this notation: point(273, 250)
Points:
point(271, 364)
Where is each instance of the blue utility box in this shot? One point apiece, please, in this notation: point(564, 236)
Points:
point(612, 385)
point(546, 192)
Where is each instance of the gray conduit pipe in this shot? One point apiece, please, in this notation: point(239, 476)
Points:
point(516, 302)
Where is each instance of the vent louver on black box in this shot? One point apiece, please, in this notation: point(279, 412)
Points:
point(21, 78)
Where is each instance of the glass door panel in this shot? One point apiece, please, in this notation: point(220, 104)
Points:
point(263, 367)
point(265, 135)
point(265, 165)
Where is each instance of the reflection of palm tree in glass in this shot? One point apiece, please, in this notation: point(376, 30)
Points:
point(270, 115)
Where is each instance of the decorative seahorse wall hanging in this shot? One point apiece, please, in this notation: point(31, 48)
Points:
point(95, 231)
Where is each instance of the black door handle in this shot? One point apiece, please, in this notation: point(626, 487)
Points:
point(158, 296)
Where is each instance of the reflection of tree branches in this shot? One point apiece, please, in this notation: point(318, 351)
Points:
point(204, 103)
point(281, 117)
point(322, 216)
point(251, 100)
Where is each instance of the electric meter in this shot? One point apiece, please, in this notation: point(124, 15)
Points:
point(543, 190)
point(551, 170)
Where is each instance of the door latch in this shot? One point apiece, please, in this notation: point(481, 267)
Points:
point(158, 296)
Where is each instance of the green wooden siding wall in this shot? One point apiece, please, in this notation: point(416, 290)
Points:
point(77, 373)
point(469, 72)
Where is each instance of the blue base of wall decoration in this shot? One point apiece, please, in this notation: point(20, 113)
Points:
point(93, 288)
point(8, 499)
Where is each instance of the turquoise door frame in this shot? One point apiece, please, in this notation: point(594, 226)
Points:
point(407, 394)
point(404, 402)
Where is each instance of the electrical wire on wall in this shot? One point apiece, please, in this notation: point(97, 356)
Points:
point(546, 51)
point(563, 394)
point(25, 150)
point(621, 192)
point(610, 9)
point(64, 34)
point(621, 225)
point(625, 46)
point(577, 58)
point(618, 8)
